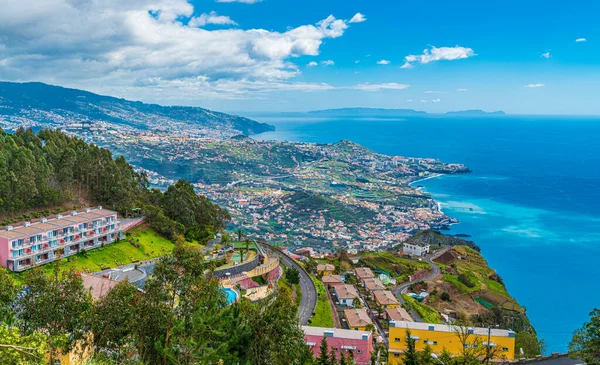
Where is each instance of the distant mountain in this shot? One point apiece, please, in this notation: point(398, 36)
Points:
point(474, 113)
point(359, 113)
point(42, 105)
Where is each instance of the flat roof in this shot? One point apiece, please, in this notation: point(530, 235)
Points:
point(53, 222)
point(337, 332)
point(450, 328)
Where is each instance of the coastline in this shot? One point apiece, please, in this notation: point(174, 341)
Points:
point(433, 176)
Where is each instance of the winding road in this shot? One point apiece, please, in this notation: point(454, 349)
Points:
point(307, 286)
point(434, 271)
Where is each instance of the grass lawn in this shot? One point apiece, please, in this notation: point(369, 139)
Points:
point(238, 245)
point(428, 314)
point(152, 245)
point(323, 316)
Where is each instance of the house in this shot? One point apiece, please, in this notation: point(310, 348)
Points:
point(385, 299)
point(332, 280)
point(397, 314)
point(357, 319)
point(36, 243)
point(345, 294)
point(358, 344)
point(373, 284)
point(416, 248)
point(97, 286)
point(363, 273)
point(325, 269)
point(440, 337)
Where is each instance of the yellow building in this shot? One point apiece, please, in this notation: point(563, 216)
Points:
point(325, 269)
point(451, 338)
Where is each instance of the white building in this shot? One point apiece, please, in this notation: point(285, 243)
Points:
point(416, 249)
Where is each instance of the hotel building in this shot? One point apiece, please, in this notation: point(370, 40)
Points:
point(36, 243)
point(440, 337)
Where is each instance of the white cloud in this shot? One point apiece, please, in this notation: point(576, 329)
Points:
point(579, 40)
point(423, 101)
point(383, 62)
point(436, 100)
point(379, 87)
point(312, 64)
point(327, 63)
point(409, 100)
point(358, 18)
point(435, 92)
point(239, 1)
point(146, 49)
point(438, 54)
point(546, 55)
point(462, 90)
point(357, 61)
point(212, 18)
point(534, 86)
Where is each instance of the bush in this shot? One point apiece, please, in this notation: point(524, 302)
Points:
point(292, 275)
point(466, 281)
point(445, 297)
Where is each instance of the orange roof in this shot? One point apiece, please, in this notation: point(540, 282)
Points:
point(398, 314)
point(385, 297)
point(364, 272)
point(332, 279)
point(97, 285)
point(373, 284)
point(346, 291)
point(357, 317)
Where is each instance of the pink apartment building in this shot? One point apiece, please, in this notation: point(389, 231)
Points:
point(358, 344)
point(36, 243)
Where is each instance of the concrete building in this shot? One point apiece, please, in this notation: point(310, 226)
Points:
point(373, 284)
point(451, 338)
point(325, 269)
point(358, 344)
point(416, 249)
point(345, 294)
point(36, 243)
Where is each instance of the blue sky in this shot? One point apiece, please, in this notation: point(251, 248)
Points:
point(517, 56)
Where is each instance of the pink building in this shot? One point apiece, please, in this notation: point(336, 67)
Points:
point(36, 243)
point(358, 344)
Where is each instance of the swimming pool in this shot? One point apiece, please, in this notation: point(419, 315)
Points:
point(231, 295)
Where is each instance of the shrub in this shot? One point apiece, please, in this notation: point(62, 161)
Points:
point(445, 297)
point(465, 280)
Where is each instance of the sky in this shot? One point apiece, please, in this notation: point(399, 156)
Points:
point(523, 57)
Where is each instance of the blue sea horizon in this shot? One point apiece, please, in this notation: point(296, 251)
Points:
point(532, 202)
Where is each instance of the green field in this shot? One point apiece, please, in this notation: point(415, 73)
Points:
point(428, 314)
point(151, 244)
point(323, 316)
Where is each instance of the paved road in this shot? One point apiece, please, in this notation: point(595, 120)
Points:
point(434, 271)
point(307, 286)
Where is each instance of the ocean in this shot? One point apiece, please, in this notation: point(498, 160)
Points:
point(532, 202)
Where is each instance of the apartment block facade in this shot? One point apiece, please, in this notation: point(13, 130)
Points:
point(451, 338)
point(356, 344)
point(36, 243)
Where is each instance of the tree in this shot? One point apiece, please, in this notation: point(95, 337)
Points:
point(324, 353)
point(240, 234)
point(8, 292)
point(445, 297)
point(425, 356)
point(292, 275)
point(585, 344)
point(411, 357)
point(357, 303)
point(56, 305)
point(112, 320)
point(371, 328)
point(529, 343)
point(18, 349)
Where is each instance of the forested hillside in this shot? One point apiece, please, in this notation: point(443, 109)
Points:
point(50, 172)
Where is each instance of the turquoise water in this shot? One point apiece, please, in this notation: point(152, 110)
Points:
point(532, 202)
point(231, 296)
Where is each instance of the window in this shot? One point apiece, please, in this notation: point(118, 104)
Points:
point(360, 351)
point(396, 355)
point(505, 349)
point(397, 339)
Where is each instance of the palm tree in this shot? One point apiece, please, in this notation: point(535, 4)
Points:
point(240, 233)
point(247, 242)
